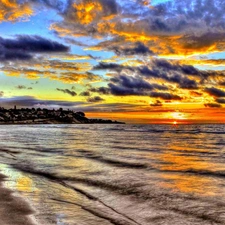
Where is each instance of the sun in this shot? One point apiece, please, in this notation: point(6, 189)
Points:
point(174, 122)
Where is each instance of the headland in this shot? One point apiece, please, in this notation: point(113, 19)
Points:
point(47, 116)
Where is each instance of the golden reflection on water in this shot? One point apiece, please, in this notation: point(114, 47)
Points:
point(190, 184)
point(176, 160)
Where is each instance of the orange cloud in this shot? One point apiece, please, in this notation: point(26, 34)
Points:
point(72, 57)
point(87, 11)
point(207, 62)
point(57, 72)
point(12, 11)
point(74, 78)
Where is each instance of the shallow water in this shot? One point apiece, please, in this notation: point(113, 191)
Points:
point(118, 174)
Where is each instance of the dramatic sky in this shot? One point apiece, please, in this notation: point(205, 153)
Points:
point(139, 61)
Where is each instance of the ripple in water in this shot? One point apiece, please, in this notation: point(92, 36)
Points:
point(118, 174)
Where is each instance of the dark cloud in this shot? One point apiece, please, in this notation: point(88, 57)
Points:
point(1, 94)
point(212, 105)
point(170, 72)
point(138, 49)
point(22, 47)
point(95, 99)
point(162, 69)
point(165, 96)
point(215, 92)
point(23, 87)
point(100, 90)
point(222, 83)
point(123, 91)
point(132, 82)
point(85, 93)
point(67, 91)
point(33, 44)
point(157, 104)
point(112, 66)
point(123, 85)
point(220, 100)
point(167, 65)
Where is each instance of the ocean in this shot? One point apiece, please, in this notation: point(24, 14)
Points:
point(117, 174)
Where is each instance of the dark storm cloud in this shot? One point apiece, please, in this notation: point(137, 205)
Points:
point(22, 47)
point(215, 92)
point(165, 96)
point(212, 105)
point(95, 99)
point(138, 49)
point(67, 91)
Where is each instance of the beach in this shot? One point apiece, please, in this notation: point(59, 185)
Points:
point(13, 209)
point(112, 174)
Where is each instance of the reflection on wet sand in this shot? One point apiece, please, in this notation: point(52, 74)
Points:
point(14, 209)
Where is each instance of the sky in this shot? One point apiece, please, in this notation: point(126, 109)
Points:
point(137, 61)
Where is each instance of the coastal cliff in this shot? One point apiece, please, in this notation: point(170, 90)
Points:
point(47, 116)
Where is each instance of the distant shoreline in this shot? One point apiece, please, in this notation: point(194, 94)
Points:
point(55, 122)
point(25, 116)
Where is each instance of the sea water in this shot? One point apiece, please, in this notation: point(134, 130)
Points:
point(117, 174)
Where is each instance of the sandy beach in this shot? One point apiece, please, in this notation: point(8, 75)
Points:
point(13, 209)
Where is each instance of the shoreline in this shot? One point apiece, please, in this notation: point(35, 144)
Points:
point(14, 210)
point(52, 123)
point(46, 116)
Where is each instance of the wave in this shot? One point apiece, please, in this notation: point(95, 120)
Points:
point(118, 163)
point(160, 199)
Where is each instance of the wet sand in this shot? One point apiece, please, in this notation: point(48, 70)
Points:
point(14, 210)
